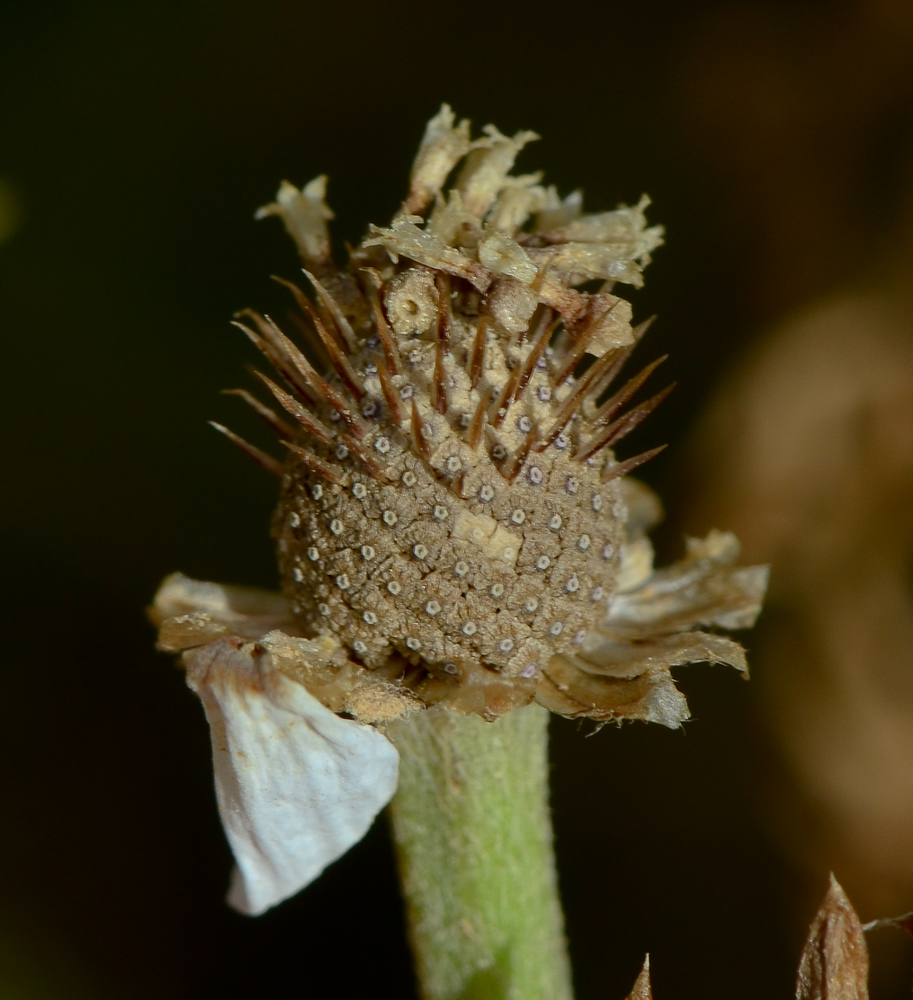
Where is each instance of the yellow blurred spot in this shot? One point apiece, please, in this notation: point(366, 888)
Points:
point(11, 212)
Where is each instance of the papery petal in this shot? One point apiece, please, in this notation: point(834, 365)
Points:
point(701, 589)
point(296, 785)
point(193, 612)
point(648, 697)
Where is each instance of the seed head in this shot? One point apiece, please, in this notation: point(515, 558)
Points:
point(452, 471)
point(452, 515)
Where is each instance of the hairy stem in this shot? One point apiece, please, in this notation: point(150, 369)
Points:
point(474, 841)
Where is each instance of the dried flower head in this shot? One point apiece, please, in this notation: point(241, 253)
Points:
point(454, 528)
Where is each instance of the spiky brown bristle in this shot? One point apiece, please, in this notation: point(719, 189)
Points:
point(450, 495)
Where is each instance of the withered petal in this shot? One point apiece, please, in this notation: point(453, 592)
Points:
point(701, 589)
point(608, 657)
point(649, 697)
point(192, 612)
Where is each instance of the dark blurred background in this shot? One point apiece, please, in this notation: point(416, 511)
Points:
point(136, 141)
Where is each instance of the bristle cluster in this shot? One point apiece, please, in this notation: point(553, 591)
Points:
point(450, 493)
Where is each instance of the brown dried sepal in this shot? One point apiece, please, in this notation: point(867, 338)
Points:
point(642, 990)
point(835, 960)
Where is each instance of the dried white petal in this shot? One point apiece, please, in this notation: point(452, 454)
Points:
point(296, 785)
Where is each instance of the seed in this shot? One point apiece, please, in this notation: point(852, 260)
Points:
point(608, 550)
point(461, 568)
point(543, 562)
point(440, 513)
point(297, 574)
point(359, 491)
point(518, 516)
point(506, 645)
point(497, 589)
point(419, 551)
point(294, 520)
point(389, 517)
point(572, 485)
point(529, 670)
point(359, 646)
point(531, 605)
point(596, 594)
point(394, 587)
point(469, 628)
point(368, 551)
point(486, 493)
point(555, 522)
point(409, 478)
point(382, 445)
point(454, 464)
point(413, 643)
point(583, 543)
point(525, 424)
point(432, 608)
point(498, 452)
point(313, 554)
point(573, 584)
point(370, 617)
point(535, 475)
point(556, 628)
point(342, 452)
point(336, 526)
point(597, 502)
point(316, 491)
point(342, 581)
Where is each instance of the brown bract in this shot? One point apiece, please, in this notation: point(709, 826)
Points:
point(453, 522)
point(835, 961)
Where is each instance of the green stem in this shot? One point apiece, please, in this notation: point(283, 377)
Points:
point(474, 837)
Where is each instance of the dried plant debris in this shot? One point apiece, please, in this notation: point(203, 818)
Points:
point(454, 527)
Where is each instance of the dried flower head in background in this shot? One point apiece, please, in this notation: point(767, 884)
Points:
point(454, 529)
